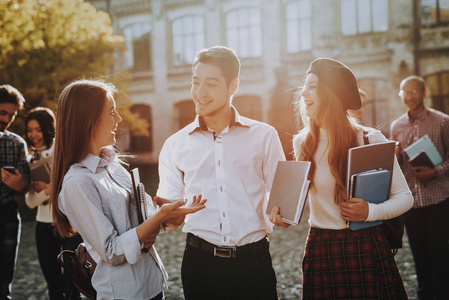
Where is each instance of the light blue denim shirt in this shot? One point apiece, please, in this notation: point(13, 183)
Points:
point(96, 197)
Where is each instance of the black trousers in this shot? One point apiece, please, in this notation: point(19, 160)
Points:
point(9, 241)
point(49, 245)
point(428, 234)
point(250, 276)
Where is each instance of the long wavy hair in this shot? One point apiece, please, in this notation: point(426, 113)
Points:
point(342, 134)
point(79, 108)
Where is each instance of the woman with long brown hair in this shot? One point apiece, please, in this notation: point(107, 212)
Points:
point(91, 193)
point(340, 263)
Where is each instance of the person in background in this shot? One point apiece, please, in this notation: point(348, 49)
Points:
point(338, 262)
point(427, 223)
point(40, 131)
point(231, 160)
point(92, 193)
point(13, 152)
point(359, 113)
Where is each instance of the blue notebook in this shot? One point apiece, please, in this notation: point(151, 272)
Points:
point(372, 186)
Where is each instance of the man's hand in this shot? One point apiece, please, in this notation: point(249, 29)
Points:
point(276, 218)
point(424, 174)
point(14, 181)
point(354, 210)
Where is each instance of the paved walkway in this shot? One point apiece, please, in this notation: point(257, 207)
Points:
point(287, 247)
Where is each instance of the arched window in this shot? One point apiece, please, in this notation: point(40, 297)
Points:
point(376, 113)
point(298, 26)
point(188, 38)
point(249, 106)
point(438, 85)
point(363, 16)
point(184, 113)
point(244, 31)
point(142, 143)
point(138, 47)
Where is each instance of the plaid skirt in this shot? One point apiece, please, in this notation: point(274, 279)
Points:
point(345, 264)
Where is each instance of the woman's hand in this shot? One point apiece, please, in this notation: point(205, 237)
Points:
point(38, 186)
point(171, 223)
point(148, 230)
point(174, 211)
point(276, 218)
point(354, 210)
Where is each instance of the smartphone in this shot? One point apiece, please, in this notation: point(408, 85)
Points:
point(10, 169)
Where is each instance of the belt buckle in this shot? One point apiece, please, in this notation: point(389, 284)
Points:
point(225, 252)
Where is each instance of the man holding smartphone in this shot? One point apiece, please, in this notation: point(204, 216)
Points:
point(14, 179)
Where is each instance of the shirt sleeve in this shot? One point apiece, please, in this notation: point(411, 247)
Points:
point(33, 199)
point(22, 163)
point(274, 154)
point(401, 199)
point(80, 201)
point(171, 179)
point(443, 169)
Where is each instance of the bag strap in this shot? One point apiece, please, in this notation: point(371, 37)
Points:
point(60, 259)
point(365, 137)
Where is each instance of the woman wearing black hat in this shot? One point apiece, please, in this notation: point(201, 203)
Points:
point(340, 263)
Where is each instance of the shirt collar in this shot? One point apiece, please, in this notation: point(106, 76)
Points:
point(93, 162)
point(421, 115)
point(199, 124)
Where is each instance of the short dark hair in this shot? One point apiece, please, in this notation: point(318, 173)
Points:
point(414, 78)
point(9, 94)
point(46, 119)
point(223, 57)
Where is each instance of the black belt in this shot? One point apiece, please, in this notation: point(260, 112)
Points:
point(226, 251)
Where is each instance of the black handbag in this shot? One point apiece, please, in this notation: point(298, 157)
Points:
point(393, 228)
point(82, 266)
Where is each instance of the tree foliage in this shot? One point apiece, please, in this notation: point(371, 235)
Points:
point(45, 44)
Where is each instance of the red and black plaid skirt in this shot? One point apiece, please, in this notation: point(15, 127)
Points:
point(345, 264)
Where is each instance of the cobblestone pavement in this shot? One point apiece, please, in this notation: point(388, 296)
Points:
point(286, 245)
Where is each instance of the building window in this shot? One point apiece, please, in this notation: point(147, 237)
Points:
point(138, 43)
point(184, 113)
point(434, 12)
point(140, 143)
point(188, 39)
point(298, 25)
point(244, 31)
point(376, 113)
point(439, 91)
point(363, 16)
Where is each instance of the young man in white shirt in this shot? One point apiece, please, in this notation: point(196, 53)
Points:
point(231, 161)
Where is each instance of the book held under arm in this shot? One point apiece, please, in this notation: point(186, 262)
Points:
point(139, 196)
point(369, 175)
point(372, 186)
point(290, 190)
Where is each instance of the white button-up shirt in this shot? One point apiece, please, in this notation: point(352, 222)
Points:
point(233, 170)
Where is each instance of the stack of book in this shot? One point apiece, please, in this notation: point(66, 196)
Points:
point(369, 175)
point(423, 153)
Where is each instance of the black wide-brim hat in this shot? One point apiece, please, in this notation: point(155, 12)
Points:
point(340, 79)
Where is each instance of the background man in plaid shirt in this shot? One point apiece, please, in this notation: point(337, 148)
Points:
point(427, 223)
point(13, 153)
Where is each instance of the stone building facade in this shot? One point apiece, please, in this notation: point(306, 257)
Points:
point(382, 41)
